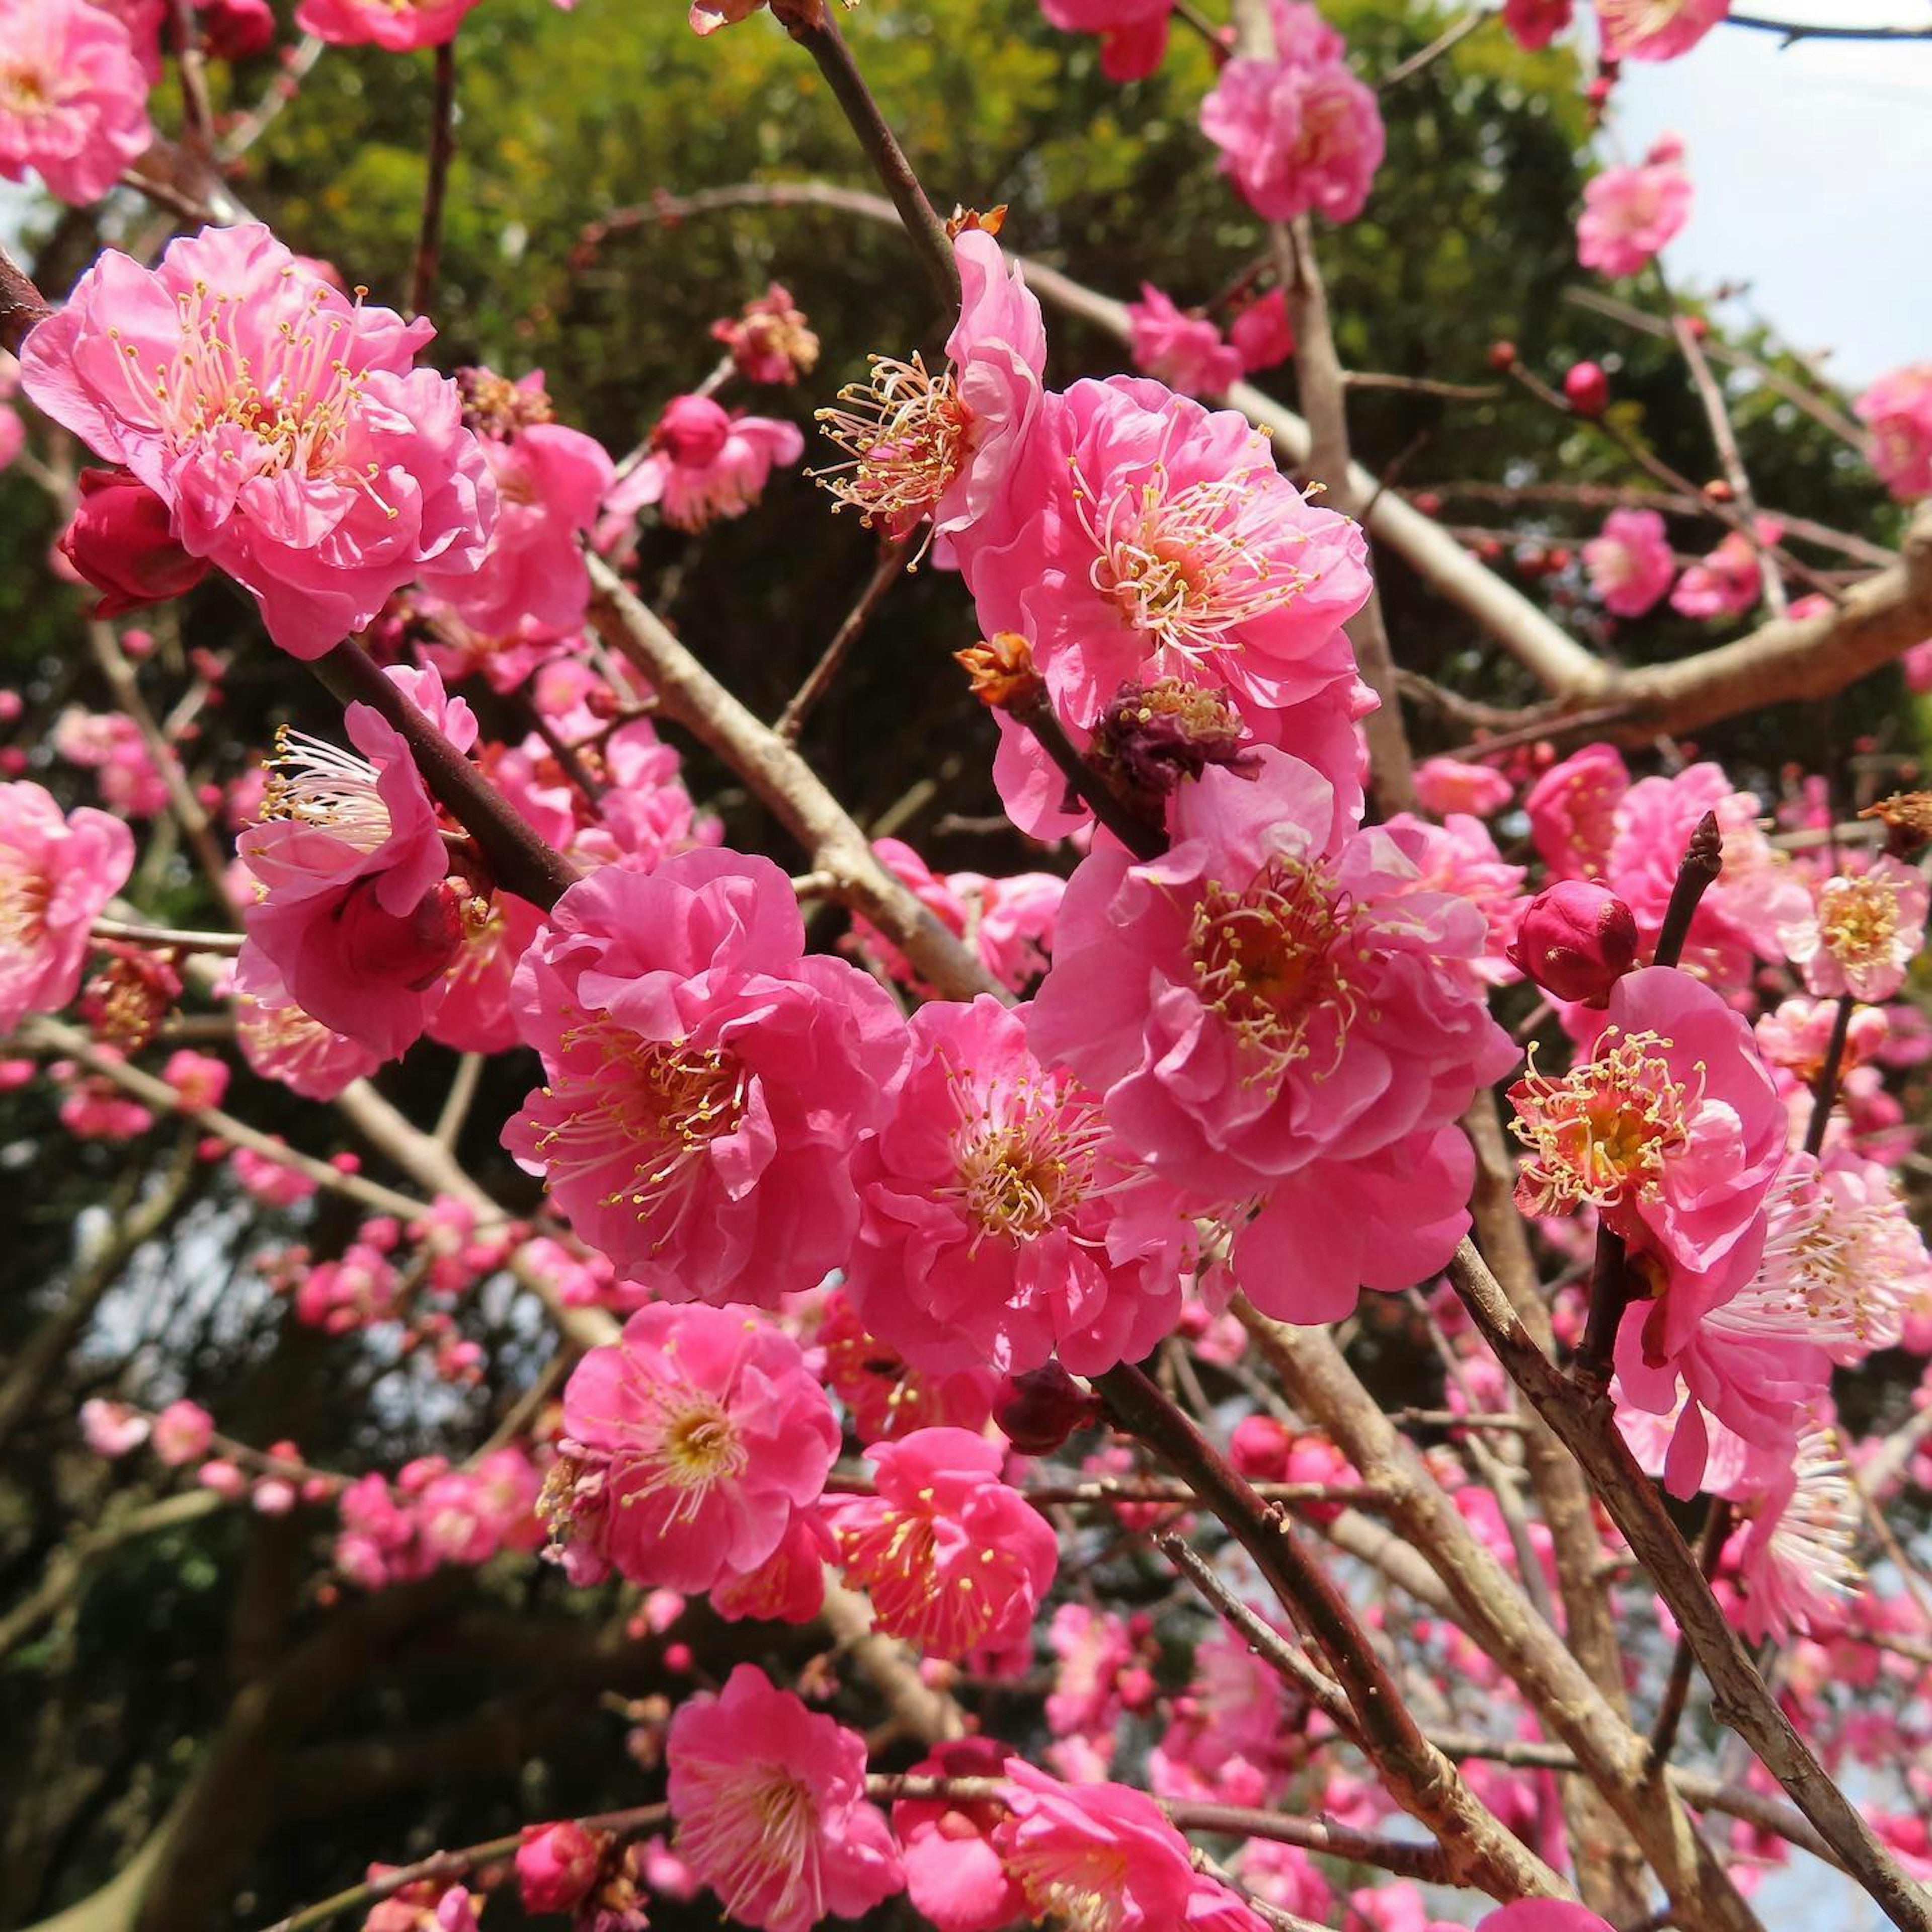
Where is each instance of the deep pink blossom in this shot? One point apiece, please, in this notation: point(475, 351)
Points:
point(884, 1396)
point(953, 1874)
point(182, 1432)
point(1298, 133)
point(1187, 352)
point(359, 917)
point(120, 540)
point(1629, 563)
point(688, 1446)
point(1001, 1222)
point(951, 1558)
point(768, 339)
point(1445, 785)
point(556, 1864)
point(770, 1799)
point(1897, 408)
point(1009, 922)
point(1576, 940)
point(400, 26)
point(789, 1586)
point(73, 97)
point(1133, 33)
point(704, 464)
point(1572, 811)
point(1656, 30)
point(1543, 1915)
point(237, 30)
point(1261, 332)
point(706, 1079)
point(1629, 213)
point(282, 1042)
point(283, 425)
point(58, 871)
point(1535, 23)
point(1728, 582)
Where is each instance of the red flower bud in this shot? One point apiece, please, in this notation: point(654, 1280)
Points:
point(1502, 357)
point(1038, 1411)
point(1577, 941)
point(1588, 388)
point(120, 542)
point(1259, 1448)
point(236, 30)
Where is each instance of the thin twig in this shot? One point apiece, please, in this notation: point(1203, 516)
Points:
point(1677, 1687)
point(1824, 1089)
point(1449, 37)
point(1790, 32)
point(435, 180)
point(885, 573)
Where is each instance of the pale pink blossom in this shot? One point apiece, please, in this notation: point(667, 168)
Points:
point(688, 1446)
point(1728, 582)
point(1897, 409)
point(770, 1799)
point(706, 1079)
point(58, 871)
point(1861, 932)
point(1091, 1648)
point(1187, 352)
point(951, 1557)
point(1629, 213)
point(198, 1079)
point(13, 437)
point(1104, 1857)
point(73, 97)
point(1001, 1222)
point(1444, 785)
point(1298, 133)
point(953, 1874)
point(1133, 33)
point(704, 464)
point(399, 26)
point(110, 743)
point(112, 1429)
point(1535, 23)
point(182, 1432)
point(1656, 30)
point(1796, 1562)
point(359, 916)
point(1630, 562)
point(284, 426)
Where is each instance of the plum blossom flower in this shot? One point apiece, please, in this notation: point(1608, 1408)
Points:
point(281, 1042)
point(58, 871)
point(1008, 922)
point(885, 1395)
point(397, 26)
point(1543, 1915)
point(1133, 33)
point(73, 97)
point(359, 914)
point(1186, 351)
point(1863, 932)
point(1897, 408)
point(283, 425)
point(1656, 30)
point(1535, 23)
point(704, 464)
point(706, 1079)
point(688, 1446)
point(1104, 1858)
point(1629, 213)
point(1728, 582)
point(1629, 563)
point(1572, 808)
point(953, 1875)
point(951, 1557)
point(1001, 1221)
point(1243, 1004)
point(1261, 332)
point(182, 1432)
point(770, 1799)
point(1300, 132)
point(948, 446)
point(768, 340)
point(1796, 1566)
point(1445, 785)
point(112, 1429)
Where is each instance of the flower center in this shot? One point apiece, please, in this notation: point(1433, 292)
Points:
point(1602, 1134)
point(751, 1832)
point(25, 91)
point(25, 893)
point(701, 1446)
point(316, 783)
point(1024, 1154)
point(1858, 920)
point(907, 435)
point(1273, 962)
point(1084, 1890)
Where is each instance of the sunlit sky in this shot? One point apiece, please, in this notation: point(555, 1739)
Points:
point(1813, 167)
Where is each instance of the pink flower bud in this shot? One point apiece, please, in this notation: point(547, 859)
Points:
point(222, 1477)
point(120, 541)
point(1576, 940)
point(692, 431)
point(556, 1865)
point(1588, 388)
point(1259, 1448)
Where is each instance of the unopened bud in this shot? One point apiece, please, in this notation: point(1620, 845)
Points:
point(1038, 1410)
point(1576, 940)
point(1588, 388)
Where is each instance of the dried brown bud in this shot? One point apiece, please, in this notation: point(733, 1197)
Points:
point(493, 406)
point(961, 219)
point(1001, 669)
point(1906, 817)
point(1153, 735)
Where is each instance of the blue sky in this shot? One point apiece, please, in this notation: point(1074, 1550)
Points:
point(1813, 167)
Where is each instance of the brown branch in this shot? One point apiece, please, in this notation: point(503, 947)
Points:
point(1677, 1685)
point(435, 180)
point(1451, 37)
point(885, 573)
point(1824, 1090)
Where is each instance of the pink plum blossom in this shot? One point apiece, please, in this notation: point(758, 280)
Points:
point(1009, 922)
point(1261, 332)
point(688, 1446)
point(1298, 133)
point(1572, 808)
point(1535, 23)
point(1897, 409)
point(1656, 30)
point(704, 464)
point(1629, 563)
point(1862, 931)
point(1796, 1566)
point(1629, 213)
point(1001, 1221)
point(1133, 33)
point(283, 425)
point(120, 539)
point(112, 1429)
point(556, 1865)
point(1186, 351)
point(953, 1874)
point(1243, 1004)
point(768, 339)
point(73, 97)
point(1576, 940)
point(770, 1799)
point(1543, 1915)
point(398, 26)
point(281, 1042)
point(951, 1557)
point(884, 1396)
point(358, 915)
point(182, 1432)
point(1728, 582)
point(58, 871)
point(1444, 785)
point(706, 1079)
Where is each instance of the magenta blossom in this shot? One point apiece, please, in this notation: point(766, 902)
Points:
point(120, 540)
point(1629, 213)
point(1728, 582)
point(706, 1079)
point(1133, 33)
point(1185, 352)
point(688, 1447)
point(1656, 30)
point(281, 1042)
point(1573, 809)
point(1261, 332)
point(58, 871)
point(1575, 940)
point(770, 1799)
point(769, 339)
point(704, 465)
point(399, 26)
point(283, 425)
point(1001, 1221)
point(73, 97)
point(1298, 133)
point(1897, 408)
point(1543, 1915)
point(1535, 23)
point(1629, 563)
